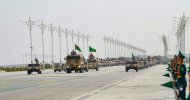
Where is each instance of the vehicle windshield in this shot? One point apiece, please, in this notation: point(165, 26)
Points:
point(91, 61)
point(32, 65)
point(73, 57)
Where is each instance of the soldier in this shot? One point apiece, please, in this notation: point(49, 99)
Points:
point(36, 60)
point(73, 53)
point(181, 79)
point(91, 56)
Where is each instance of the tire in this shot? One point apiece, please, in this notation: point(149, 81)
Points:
point(28, 72)
point(97, 69)
point(60, 70)
point(68, 70)
point(126, 69)
point(81, 70)
point(39, 72)
point(54, 70)
point(86, 69)
point(76, 71)
point(136, 70)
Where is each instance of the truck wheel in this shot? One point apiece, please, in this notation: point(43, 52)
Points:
point(39, 72)
point(126, 69)
point(68, 70)
point(97, 68)
point(136, 70)
point(54, 70)
point(76, 71)
point(60, 70)
point(28, 72)
point(81, 70)
point(86, 69)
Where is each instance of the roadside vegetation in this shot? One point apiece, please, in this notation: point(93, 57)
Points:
point(21, 68)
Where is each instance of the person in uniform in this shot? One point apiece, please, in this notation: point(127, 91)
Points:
point(181, 79)
point(91, 56)
point(36, 60)
point(73, 53)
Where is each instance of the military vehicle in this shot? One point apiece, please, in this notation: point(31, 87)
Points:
point(75, 63)
point(131, 65)
point(93, 64)
point(34, 68)
point(58, 67)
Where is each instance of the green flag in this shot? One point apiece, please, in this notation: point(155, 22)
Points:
point(77, 48)
point(133, 57)
point(166, 75)
point(169, 65)
point(168, 84)
point(91, 49)
point(169, 70)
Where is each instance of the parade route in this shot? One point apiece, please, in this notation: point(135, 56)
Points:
point(107, 84)
point(145, 86)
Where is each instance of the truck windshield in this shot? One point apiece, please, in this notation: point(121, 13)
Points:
point(73, 57)
point(92, 61)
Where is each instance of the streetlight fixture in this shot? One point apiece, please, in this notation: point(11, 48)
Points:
point(42, 26)
point(30, 24)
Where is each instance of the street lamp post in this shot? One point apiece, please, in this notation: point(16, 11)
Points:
point(51, 28)
point(59, 30)
point(66, 35)
point(30, 24)
point(42, 26)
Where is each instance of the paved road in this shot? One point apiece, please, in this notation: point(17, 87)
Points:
point(59, 86)
point(146, 86)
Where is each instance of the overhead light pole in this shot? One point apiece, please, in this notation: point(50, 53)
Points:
point(66, 36)
point(42, 26)
point(30, 24)
point(52, 29)
point(59, 30)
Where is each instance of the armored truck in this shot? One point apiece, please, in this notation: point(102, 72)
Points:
point(34, 68)
point(75, 63)
point(93, 64)
point(131, 65)
point(58, 67)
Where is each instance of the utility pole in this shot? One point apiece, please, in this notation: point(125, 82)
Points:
point(107, 39)
point(42, 26)
point(105, 46)
point(66, 35)
point(181, 33)
point(59, 30)
point(78, 35)
point(72, 35)
point(83, 37)
point(30, 24)
point(52, 29)
point(87, 39)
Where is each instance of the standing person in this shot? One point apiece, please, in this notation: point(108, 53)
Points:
point(181, 79)
point(189, 78)
point(36, 60)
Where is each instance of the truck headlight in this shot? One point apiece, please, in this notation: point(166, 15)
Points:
point(67, 66)
point(79, 66)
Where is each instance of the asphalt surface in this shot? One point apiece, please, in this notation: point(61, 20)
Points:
point(60, 86)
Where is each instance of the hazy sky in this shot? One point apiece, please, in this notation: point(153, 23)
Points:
point(137, 22)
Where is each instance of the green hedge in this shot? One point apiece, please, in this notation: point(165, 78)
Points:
point(14, 69)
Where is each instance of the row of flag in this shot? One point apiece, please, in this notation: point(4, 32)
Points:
point(90, 49)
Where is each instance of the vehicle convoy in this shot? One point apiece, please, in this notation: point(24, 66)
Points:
point(131, 65)
point(58, 67)
point(75, 62)
point(92, 63)
point(34, 68)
